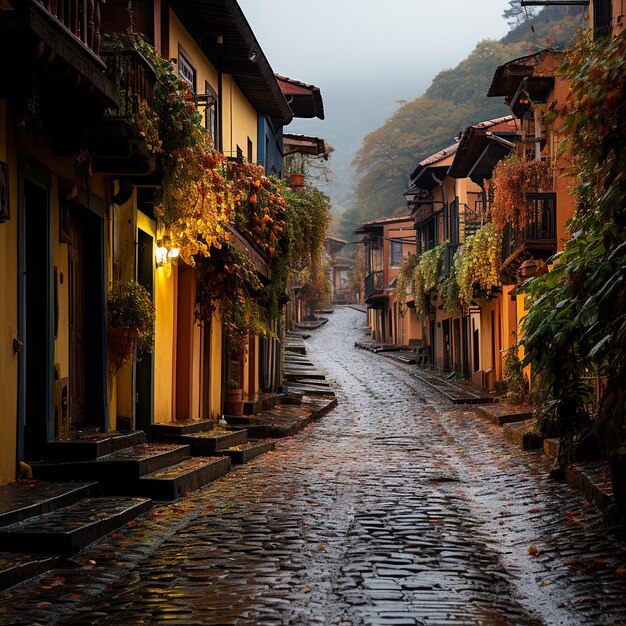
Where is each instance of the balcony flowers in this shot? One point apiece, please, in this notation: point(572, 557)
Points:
point(425, 278)
point(513, 177)
point(479, 261)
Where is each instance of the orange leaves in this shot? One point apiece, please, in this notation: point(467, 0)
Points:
point(513, 177)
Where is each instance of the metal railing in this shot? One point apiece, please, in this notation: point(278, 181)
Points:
point(374, 283)
point(80, 17)
point(135, 79)
point(539, 227)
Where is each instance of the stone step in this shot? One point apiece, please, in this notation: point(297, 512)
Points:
point(176, 428)
point(551, 447)
point(524, 434)
point(70, 529)
point(16, 568)
point(594, 480)
point(212, 442)
point(293, 374)
point(257, 402)
point(89, 445)
point(457, 391)
point(246, 452)
point(312, 325)
point(115, 468)
point(502, 413)
point(20, 501)
point(309, 389)
point(177, 480)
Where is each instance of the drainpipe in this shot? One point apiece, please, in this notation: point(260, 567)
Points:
point(537, 135)
point(445, 200)
point(220, 120)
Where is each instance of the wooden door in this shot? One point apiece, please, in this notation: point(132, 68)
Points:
point(77, 338)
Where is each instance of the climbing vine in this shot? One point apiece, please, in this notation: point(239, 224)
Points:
point(478, 268)
point(425, 277)
point(576, 325)
point(404, 281)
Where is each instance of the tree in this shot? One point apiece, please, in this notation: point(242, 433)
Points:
point(516, 14)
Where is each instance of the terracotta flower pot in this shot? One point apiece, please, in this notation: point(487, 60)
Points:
point(233, 402)
point(296, 180)
point(120, 342)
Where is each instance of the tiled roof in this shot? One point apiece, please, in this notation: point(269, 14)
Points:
point(305, 100)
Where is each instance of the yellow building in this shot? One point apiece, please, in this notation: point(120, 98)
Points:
point(77, 195)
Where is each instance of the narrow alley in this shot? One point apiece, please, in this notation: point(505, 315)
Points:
point(395, 508)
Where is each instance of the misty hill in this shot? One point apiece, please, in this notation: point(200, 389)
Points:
point(455, 99)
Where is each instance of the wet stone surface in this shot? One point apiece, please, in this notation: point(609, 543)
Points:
point(398, 507)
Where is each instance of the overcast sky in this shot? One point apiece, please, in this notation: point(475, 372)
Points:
point(365, 55)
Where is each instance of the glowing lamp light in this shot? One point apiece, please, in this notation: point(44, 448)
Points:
point(161, 256)
point(173, 253)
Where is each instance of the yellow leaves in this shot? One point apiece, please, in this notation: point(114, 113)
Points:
point(533, 551)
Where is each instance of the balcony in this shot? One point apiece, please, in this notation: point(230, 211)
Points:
point(448, 258)
point(536, 238)
point(52, 71)
point(117, 146)
point(374, 285)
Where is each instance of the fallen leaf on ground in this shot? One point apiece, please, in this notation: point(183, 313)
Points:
point(533, 551)
point(320, 548)
point(305, 590)
point(621, 571)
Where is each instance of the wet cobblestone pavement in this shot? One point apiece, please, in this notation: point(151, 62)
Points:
point(395, 508)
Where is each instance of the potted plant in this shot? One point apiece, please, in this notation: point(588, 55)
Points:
point(233, 404)
point(131, 316)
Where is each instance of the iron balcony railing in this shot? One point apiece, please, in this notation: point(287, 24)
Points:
point(80, 17)
point(135, 79)
point(538, 229)
point(448, 258)
point(374, 283)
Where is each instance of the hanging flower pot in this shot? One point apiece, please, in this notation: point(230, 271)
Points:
point(131, 316)
point(296, 180)
point(120, 343)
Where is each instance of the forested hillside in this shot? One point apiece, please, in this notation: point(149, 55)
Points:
point(455, 99)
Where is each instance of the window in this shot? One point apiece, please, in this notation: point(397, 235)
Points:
point(186, 70)
point(396, 253)
point(602, 18)
point(211, 122)
point(250, 153)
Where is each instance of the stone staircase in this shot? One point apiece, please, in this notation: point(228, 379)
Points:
point(204, 439)
point(126, 464)
point(42, 522)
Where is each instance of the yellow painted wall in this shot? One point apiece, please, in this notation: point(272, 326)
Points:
point(8, 309)
point(126, 238)
point(239, 118)
point(204, 70)
point(216, 364)
point(164, 290)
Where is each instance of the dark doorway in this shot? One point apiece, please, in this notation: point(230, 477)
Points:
point(144, 373)
point(433, 345)
point(86, 301)
point(76, 294)
point(36, 328)
point(446, 345)
point(456, 352)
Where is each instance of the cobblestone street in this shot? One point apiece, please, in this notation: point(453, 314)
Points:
point(395, 508)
